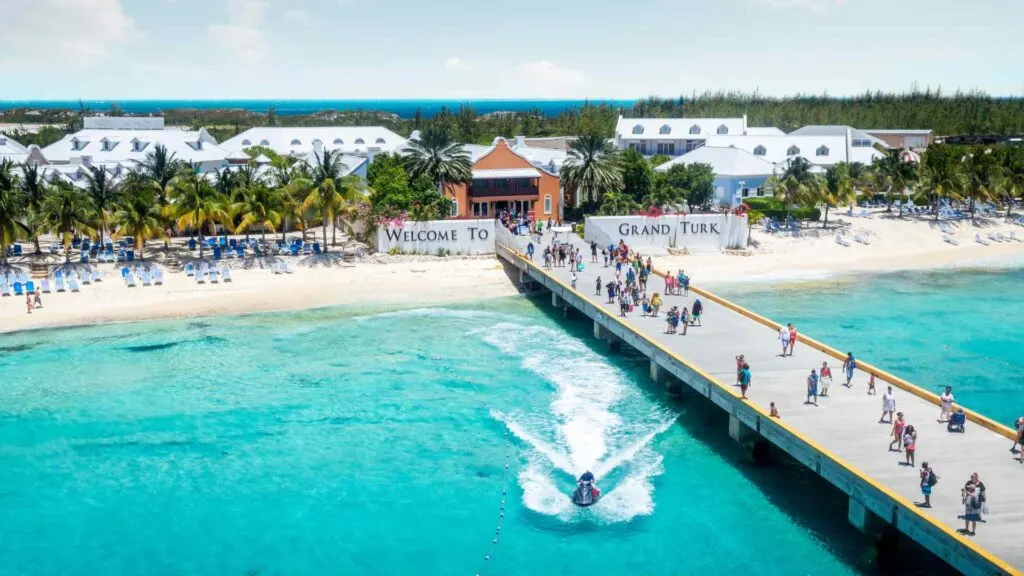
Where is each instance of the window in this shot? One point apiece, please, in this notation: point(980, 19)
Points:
point(793, 151)
point(667, 148)
point(723, 129)
point(296, 142)
point(862, 143)
point(759, 150)
point(666, 129)
point(75, 143)
point(632, 145)
point(694, 129)
point(108, 145)
point(821, 151)
point(638, 129)
point(455, 207)
point(547, 203)
point(480, 209)
point(246, 142)
point(264, 143)
point(317, 143)
point(380, 141)
point(338, 141)
point(360, 141)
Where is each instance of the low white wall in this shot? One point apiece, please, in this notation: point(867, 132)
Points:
point(455, 236)
point(696, 233)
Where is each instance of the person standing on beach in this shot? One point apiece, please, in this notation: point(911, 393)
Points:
point(849, 365)
point(946, 404)
point(826, 378)
point(888, 405)
point(792, 337)
point(910, 443)
point(28, 302)
point(784, 339)
point(928, 479)
point(812, 388)
point(744, 379)
point(897, 433)
point(37, 301)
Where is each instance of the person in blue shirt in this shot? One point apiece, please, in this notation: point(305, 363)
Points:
point(529, 250)
point(849, 365)
point(812, 388)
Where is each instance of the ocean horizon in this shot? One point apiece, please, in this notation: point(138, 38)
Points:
point(405, 108)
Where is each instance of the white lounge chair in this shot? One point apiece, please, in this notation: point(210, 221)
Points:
point(5, 289)
point(213, 275)
point(276, 268)
point(96, 276)
point(129, 280)
point(842, 241)
point(73, 283)
point(190, 269)
point(225, 273)
point(45, 286)
point(86, 278)
point(950, 240)
point(158, 277)
point(1013, 237)
point(994, 237)
point(862, 240)
point(980, 240)
point(145, 277)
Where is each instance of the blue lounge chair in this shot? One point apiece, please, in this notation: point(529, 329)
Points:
point(211, 242)
point(225, 273)
point(17, 249)
point(131, 255)
point(223, 241)
point(122, 256)
point(232, 243)
point(30, 287)
point(146, 280)
point(129, 242)
point(5, 290)
point(76, 243)
point(213, 275)
point(191, 243)
point(130, 280)
point(190, 269)
point(201, 275)
point(158, 277)
point(84, 259)
point(86, 277)
point(307, 249)
point(240, 251)
point(124, 273)
point(316, 247)
point(294, 249)
point(216, 252)
point(17, 289)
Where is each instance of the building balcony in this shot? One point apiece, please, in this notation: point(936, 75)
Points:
point(499, 191)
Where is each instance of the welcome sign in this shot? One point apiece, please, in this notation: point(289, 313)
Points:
point(453, 236)
point(700, 232)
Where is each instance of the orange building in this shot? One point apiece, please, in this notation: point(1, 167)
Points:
point(504, 180)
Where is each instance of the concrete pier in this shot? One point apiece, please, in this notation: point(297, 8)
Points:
point(840, 439)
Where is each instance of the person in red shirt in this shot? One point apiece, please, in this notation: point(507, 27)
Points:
point(826, 378)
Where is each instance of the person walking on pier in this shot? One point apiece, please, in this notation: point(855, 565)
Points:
point(593, 251)
point(888, 405)
point(684, 319)
point(812, 387)
point(928, 479)
point(826, 378)
point(897, 433)
point(572, 282)
point(871, 385)
point(1019, 424)
point(529, 251)
point(946, 404)
point(655, 304)
point(744, 378)
point(849, 365)
point(698, 309)
point(611, 292)
point(910, 444)
point(792, 337)
point(597, 287)
point(784, 340)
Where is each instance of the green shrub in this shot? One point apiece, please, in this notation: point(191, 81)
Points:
point(443, 252)
point(394, 251)
point(763, 203)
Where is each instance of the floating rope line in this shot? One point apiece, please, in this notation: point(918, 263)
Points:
point(504, 479)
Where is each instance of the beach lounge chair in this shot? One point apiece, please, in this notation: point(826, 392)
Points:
point(158, 277)
point(30, 287)
point(216, 252)
point(307, 249)
point(233, 243)
point(84, 258)
point(192, 244)
point(129, 242)
point(45, 286)
point(240, 251)
point(190, 269)
point(229, 253)
point(5, 289)
point(213, 275)
point(223, 241)
point(86, 277)
point(124, 273)
point(144, 277)
point(18, 290)
point(980, 240)
point(129, 280)
point(201, 275)
point(225, 273)
point(17, 249)
point(96, 275)
point(950, 240)
point(994, 237)
point(131, 255)
point(842, 241)
point(294, 249)
point(58, 284)
point(54, 248)
point(316, 247)
point(862, 240)
point(73, 283)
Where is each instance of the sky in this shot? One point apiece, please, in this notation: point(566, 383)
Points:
point(463, 49)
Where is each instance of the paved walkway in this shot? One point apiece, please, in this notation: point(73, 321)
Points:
point(845, 422)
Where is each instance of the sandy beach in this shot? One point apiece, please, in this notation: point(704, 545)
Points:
point(895, 244)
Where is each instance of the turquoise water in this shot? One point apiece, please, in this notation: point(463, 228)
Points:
point(962, 328)
point(332, 442)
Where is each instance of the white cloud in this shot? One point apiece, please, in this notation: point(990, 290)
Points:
point(83, 30)
point(242, 37)
point(547, 77)
point(298, 15)
point(455, 63)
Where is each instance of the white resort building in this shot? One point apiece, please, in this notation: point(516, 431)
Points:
point(300, 141)
point(677, 136)
point(12, 150)
point(111, 140)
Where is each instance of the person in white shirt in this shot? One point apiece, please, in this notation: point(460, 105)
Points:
point(946, 404)
point(888, 405)
point(784, 339)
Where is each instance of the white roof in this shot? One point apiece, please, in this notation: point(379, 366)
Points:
point(351, 163)
point(12, 150)
point(74, 174)
point(824, 150)
point(300, 141)
point(915, 131)
point(238, 155)
point(498, 173)
point(123, 123)
point(724, 161)
point(189, 146)
point(551, 159)
point(675, 128)
point(262, 159)
point(836, 130)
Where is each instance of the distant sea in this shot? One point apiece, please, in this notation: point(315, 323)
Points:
point(403, 108)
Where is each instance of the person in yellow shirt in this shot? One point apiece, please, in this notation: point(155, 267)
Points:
point(655, 304)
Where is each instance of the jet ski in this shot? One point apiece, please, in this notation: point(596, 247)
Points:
point(586, 493)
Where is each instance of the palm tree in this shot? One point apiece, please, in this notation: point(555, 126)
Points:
point(294, 185)
point(1012, 184)
point(896, 175)
point(593, 167)
point(12, 208)
point(136, 213)
point(197, 204)
point(325, 197)
point(67, 210)
point(800, 169)
point(353, 190)
point(160, 169)
point(788, 190)
point(102, 189)
point(34, 189)
point(437, 156)
point(836, 189)
point(935, 183)
point(262, 206)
